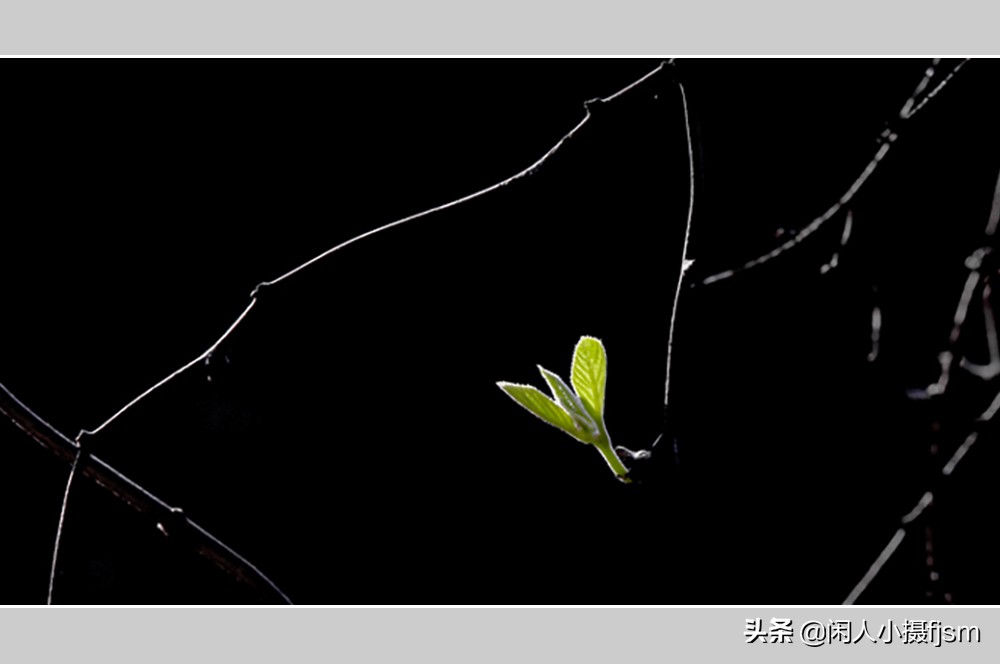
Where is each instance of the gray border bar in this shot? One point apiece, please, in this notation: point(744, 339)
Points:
point(365, 27)
point(486, 635)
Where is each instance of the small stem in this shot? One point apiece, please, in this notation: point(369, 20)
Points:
point(608, 452)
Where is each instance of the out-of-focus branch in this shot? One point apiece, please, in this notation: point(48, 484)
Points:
point(975, 265)
point(917, 100)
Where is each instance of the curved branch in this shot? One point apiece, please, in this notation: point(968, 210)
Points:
point(685, 261)
point(530, 170)
point(171, 521)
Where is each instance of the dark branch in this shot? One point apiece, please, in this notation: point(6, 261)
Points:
point(168, 519)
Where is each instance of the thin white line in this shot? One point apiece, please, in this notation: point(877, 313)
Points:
point(956, 458)
point(164, 381)
point(685, 263)
point(937, 88)
point(889, 549)
point(465, 199)
point(888, 139)
point(62, 522)
point(991, 226)
point(905, 112)
point(876, 567)
point(253, 296)
point(924, 502)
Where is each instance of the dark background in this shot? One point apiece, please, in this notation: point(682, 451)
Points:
point(351, 441)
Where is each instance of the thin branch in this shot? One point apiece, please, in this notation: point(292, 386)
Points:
point(992, 410)
point(960, 453)
point(62, 522)
point(991, 226)
point(530, 170)
point(208, 353)
point(376, 231)
point(946, 471)
point(991, 369)
point(685, 261)
point(876, 332)
point(888, 137)
point(890, 548)
point(634, 84)
point(907, 109)
point(876, 568)
point(974, 263)
point(962, 310)
point(946, 358)
point(209, 545)
point(171, 521)
point(933, 93)
point(844, 238)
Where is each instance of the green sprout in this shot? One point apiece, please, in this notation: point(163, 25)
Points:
point(578, 412)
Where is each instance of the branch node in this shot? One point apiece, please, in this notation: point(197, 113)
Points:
point(174, 524)
point(888, 134)
point(255, 293)
point(978, 258)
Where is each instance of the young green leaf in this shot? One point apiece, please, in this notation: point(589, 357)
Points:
point(589, 375)
point(565, 397)
point(540, 405)
point(579, 413)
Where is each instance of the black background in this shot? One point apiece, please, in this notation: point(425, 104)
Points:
point(351, 440)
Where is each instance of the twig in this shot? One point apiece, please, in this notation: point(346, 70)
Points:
point(844, 238)
point(62, 522)
point(888, 137)
point(938, 87)
point(169, 520)
point(876, 332)
point(685, 261)
point(208, 353)
point(991, 369)
point(588, 106)
point(640, 455)
point(209, 550)
point(890, 548)
point(946, 358)
point(946, 471)
point(960, 453)
point(974, 264)
point(991, 225)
